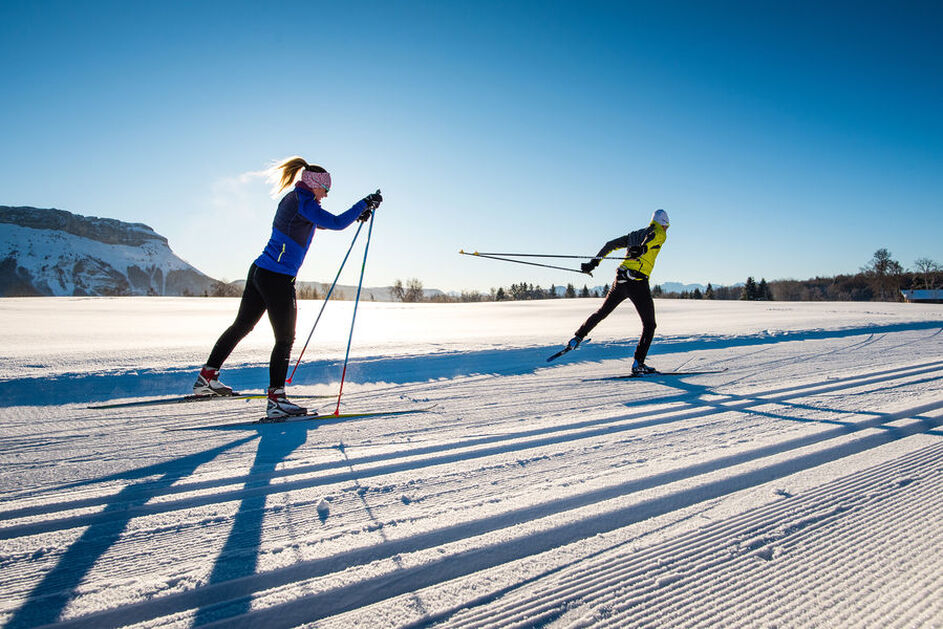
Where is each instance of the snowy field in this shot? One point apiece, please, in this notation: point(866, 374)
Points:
point(801, 487)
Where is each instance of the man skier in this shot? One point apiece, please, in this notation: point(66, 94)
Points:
point(631, 282)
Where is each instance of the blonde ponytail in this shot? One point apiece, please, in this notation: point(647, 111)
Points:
point(285, 173)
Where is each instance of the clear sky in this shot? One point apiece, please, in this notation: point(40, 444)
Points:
point(785, 140)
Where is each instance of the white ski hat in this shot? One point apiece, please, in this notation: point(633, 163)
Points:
point(660, 217)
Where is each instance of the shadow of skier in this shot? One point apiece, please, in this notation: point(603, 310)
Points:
point(46, 602)
point(239, 555)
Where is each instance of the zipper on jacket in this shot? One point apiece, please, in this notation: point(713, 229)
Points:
point(281, 254)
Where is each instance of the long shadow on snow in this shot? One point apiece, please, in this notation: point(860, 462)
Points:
point(346, 598)
point(237, 593)
point(695, 407)
point(46, 602)
point(69, 388)
point(239, 555)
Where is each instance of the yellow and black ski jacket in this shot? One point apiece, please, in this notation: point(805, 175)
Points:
point(649, 240)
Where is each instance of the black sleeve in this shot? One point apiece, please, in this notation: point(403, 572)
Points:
point(618, 243)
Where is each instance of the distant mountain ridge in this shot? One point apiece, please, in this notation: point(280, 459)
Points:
point(678, 287)
point(55, 252)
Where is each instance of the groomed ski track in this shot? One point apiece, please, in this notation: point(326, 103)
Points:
point(803, 487)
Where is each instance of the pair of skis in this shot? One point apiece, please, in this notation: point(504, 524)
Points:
point(311, 416)
point(634, 375)
point(186, 399)
point(655, 374)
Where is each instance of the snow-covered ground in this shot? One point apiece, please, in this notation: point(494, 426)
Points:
point(801, 487)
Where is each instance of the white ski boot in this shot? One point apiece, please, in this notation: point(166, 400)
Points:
point(279, 406)
point(641, 369)
point(207, 383)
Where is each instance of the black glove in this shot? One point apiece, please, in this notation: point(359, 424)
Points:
point(635, 251)
point(587, 267)
point(365, 215)
point(373, 201)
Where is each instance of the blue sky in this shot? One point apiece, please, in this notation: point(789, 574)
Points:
point(786, 140)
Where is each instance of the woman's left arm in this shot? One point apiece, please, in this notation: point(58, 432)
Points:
point(322, 218)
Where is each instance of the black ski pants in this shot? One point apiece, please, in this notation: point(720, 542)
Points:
point(641, 295)
point(265, 291)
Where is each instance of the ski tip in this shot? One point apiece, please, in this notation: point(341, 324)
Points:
point(462, 251)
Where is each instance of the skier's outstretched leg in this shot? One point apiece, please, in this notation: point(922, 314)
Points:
point(616, 295)
point(251, 309)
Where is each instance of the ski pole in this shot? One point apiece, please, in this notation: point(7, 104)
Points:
point(540, 255)
point(337, 410)
point(546, 266)
point(323, 305)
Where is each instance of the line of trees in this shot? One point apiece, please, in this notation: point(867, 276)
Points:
point(881, 279)
point(412, 291)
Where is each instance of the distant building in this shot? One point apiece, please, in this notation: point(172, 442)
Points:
point(923, 296)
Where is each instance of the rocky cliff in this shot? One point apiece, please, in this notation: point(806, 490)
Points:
point(54, 252)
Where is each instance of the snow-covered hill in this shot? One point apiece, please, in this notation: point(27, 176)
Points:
point(802, 487)
point(53, 252)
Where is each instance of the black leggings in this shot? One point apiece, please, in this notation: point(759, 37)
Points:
point(274, 292)
point(641, 295)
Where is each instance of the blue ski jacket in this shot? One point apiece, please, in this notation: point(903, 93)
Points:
point(296, 219)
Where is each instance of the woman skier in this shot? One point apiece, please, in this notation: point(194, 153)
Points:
point(631, 282)
point(270, 285)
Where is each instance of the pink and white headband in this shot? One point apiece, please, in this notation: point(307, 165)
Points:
point(316, 180)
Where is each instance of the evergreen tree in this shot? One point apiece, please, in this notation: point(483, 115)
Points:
point(570, 291)
point(585, 291)
point(709, 293)
point(657, 291)
point(763, 291)
point(500, 295)
point(552, 293)
point(696, 294)
point(749, 290)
